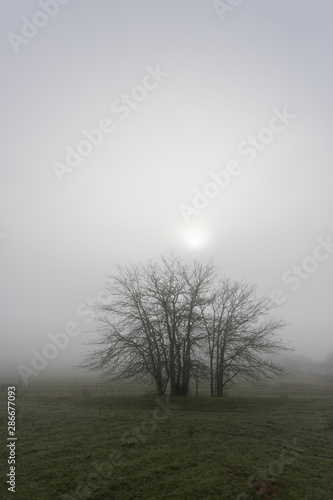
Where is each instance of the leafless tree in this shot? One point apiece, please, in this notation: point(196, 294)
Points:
point(150, 327)
point(168, 322)
point(240, 336)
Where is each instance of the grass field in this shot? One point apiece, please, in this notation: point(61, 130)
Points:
point(111, 442)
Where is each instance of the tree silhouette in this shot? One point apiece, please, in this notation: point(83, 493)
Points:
point(172, 321)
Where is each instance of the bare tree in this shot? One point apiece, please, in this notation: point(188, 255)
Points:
point(239, 334)
point(151, 326)
point(169, 322)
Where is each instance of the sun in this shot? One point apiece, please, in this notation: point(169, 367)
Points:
point(195, 237)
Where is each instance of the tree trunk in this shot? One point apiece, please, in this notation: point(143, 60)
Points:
point(212, 392)
point(219, 392)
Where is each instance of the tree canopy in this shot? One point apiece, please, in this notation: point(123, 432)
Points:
point(173, 321)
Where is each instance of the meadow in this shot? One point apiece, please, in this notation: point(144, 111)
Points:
point(102, 441)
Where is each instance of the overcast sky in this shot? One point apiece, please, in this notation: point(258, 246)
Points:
point(215, 141)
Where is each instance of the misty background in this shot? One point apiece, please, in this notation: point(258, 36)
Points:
point(58, 240)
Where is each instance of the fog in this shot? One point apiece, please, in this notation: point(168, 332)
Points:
point(214, 141)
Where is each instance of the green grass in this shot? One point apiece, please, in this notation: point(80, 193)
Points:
point(273, 441)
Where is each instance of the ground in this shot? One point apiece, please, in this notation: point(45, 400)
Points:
point(101, 442)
